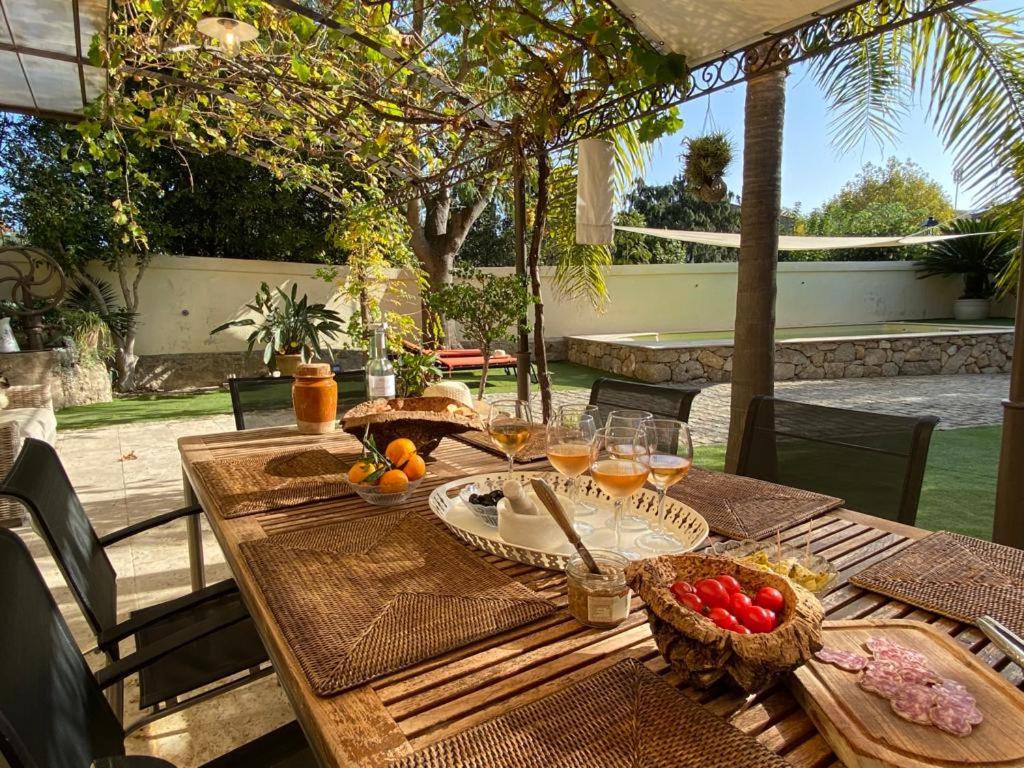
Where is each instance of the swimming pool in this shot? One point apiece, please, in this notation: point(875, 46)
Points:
point(812, 332)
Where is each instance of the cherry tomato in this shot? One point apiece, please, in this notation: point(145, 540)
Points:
point(721, 617)
point(741, 630)
point(680, 588)
point(691, 601)
point(713, 593)
point(729, 583)
point(772, 617)
point(739, 603)
point(758, 620)
point(770, 598)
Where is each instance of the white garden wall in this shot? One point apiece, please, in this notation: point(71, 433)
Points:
point(182, 298)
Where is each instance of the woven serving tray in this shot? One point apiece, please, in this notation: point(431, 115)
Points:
point(622, 717)
point(361, 598)
point(534, 450)
point(745, 508)
point(264, 482)
point(958, 576)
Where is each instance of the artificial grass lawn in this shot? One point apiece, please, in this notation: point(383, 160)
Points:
point(182, 405)
point(959, 490)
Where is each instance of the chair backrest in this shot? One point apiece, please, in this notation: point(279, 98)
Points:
point(874, 461)
point(52, 712)
point(664, 402)
point(38, 480)
point(266, 401)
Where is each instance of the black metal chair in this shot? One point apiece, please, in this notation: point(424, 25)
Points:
point(39, 481)
point(664, 402)
point(52, 710)
point(874, 461)
point(271, 398)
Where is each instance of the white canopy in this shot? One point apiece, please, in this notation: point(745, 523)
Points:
point(43, 48)
point(703, 30)
point(792, 242)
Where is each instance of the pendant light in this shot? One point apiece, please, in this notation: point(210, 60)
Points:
point(228, 31)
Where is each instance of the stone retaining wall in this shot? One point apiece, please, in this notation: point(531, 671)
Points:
point(916, 355)
point(71, 383)
point(211, 369)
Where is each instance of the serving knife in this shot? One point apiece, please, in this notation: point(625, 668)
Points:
point(1003, 639)
point(554, 506)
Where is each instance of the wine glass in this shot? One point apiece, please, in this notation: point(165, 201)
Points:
point(573, 412)
point(669, 458)
point(627, 418)
point(508, 425)
point(569, 443)
point(618, 469)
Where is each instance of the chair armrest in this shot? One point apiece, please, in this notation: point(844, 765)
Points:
point(132, 761)
point(29, 396)
point(145, 525)
point(133, 662)
point(147, 616)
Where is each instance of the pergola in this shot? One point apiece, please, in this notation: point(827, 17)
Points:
point(464, 132)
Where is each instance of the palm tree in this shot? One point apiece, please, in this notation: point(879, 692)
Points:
point(968, 66)
point(753, 371)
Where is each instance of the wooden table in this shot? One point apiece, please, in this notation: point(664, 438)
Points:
point(442, 696)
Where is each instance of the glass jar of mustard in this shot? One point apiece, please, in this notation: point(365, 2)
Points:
point(315, 398)
point(598, 600)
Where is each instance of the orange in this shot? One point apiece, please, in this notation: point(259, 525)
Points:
point(415, 467)
point(393, 481)
point(359, 471)
point(399, 451)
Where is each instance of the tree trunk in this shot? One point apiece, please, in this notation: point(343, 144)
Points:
point(126, 360)
point(533, 263)
point(439, 229)
point(753, 371)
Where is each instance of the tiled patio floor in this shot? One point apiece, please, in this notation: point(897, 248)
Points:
point(128, 473)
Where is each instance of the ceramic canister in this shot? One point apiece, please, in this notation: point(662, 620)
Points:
point(315, 398)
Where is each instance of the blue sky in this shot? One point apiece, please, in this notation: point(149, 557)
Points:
point(812, 169)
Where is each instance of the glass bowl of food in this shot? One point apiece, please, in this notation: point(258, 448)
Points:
point(812, 572)
point(483, 503)
point(384, 494)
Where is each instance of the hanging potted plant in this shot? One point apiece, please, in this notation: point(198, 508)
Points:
point(706, 159)
point(292, 329)
point(978, 259)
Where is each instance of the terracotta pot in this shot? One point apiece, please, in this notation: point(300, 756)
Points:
point(287, 364)
point(315, 399)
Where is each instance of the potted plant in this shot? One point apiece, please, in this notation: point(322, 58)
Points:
point(978, 258)
point(414, 372)
point(486, 306)
point(291, 328)
point(706, 159)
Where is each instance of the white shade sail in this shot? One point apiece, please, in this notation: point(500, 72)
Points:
point(43, 49)
point(795, 242)
point(703, 30)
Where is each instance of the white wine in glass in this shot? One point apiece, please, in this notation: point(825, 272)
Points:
point(619, 472)
point(569, 443)
point(508, 425)
point(669, 458)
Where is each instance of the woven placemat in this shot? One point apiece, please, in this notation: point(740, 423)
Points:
point(955, 575)
point(361, 598)
point(622, 717)
point(534, 450)
point(263, 482)
point(745, 508)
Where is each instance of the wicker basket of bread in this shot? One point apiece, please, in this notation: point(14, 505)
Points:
point(424, 420)
point(703, 644)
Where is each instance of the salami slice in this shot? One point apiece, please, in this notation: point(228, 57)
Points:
point(914, 703)
point(884, 686)
point(915, 673)
point(851, 662)
point(951, 720)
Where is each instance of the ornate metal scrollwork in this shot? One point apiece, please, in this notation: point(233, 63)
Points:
point(34, 283)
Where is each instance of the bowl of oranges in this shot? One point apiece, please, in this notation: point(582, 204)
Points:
point(388, 478)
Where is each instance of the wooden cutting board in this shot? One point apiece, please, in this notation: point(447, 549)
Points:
point(863, 730)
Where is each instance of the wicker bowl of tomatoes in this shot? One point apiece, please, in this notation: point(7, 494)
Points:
point(713, 617)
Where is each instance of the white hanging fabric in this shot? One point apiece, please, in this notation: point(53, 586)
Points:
point(795, 242)
point(595, 197)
